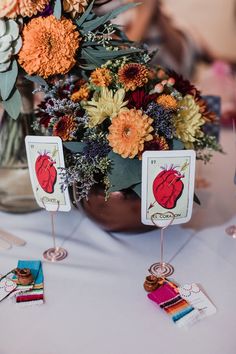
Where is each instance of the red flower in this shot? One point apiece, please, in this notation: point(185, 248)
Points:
point(139, 99)
point(183, 86)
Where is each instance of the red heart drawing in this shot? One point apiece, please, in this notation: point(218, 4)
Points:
point(46, 172)
point(168, 188)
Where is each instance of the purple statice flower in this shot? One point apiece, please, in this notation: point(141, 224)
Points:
point(47, 11)
point(163, 119)
point(95, 150)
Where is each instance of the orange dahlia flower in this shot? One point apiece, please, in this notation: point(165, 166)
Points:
point(74, 7)
point(133, 75)
point(13, 8)
point(101, 77)
point(65, 128)
point(128, 132)
point(31, 7)
point(81, 95)
point(49, 46)
point(9, 8)
point(168, 102)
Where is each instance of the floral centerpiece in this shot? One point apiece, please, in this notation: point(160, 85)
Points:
point(124, 108)
point(101, 95)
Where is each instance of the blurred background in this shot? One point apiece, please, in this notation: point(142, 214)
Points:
point(196, 38)
point(214, 20)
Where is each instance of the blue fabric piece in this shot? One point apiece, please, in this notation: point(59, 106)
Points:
point(182, 313)
point(35, 268)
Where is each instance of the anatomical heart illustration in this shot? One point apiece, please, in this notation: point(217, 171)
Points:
point(168, 187)
point(46, 163)
point(46, 172)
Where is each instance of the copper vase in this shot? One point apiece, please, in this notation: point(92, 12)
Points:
point(120, 212)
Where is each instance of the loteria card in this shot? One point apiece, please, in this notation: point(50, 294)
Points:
point(167, 186)
point(45, 160)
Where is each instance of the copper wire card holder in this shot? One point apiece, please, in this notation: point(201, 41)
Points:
point(54, 254)
point(162, 269)
point(231, 230)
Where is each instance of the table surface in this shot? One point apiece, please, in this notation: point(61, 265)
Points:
point(95, 301)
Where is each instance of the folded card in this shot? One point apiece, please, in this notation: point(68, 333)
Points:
point(7, 286)
point(196, 297)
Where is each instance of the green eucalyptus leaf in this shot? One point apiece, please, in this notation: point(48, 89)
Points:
point(88, 67)
point(90, 57)
point(37, 80)
point(93, 24)
point(106, 54)
point(74, 146)
point(85, 15)
point(57, 9)
point(13, 104)
point(177, 144)
point(124, 173)
point(100, 55)
point(8, 80)
point(137, 189)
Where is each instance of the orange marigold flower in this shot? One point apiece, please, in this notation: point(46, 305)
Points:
point(101, 77)
point(128, 132)
point(133, 75)
point(74, 7)
point(168, 102)
point(49, 46)
point(81, 95)
point(65, 128)
point(31, 7)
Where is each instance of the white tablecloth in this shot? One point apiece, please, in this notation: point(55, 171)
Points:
point(95, 301)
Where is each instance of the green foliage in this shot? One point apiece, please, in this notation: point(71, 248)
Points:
point(177, 144)
point(74, 146)
point(13, 104)
point(124, 172)
point(57, 9)
point(98, 21)
point(137, 189)
point(85, 15)
point(8, 80)
point(37, 80)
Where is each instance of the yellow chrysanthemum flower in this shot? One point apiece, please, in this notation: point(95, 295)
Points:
point(101, 77)
point(108, 105)
point(188, 122)
point(129, 131)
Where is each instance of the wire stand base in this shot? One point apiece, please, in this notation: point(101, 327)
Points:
point(231, 231)
point(55, 254)
point(161, 269)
